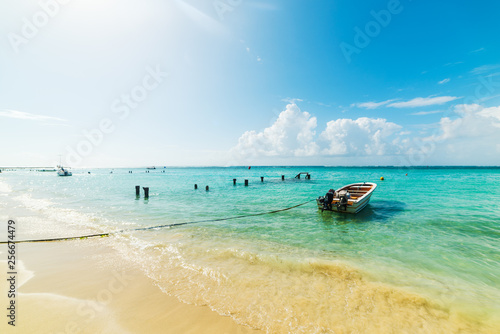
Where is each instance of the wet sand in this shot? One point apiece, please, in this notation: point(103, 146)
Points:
point(84, 286)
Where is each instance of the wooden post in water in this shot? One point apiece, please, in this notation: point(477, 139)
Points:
point(262, 179)
point(246, 182)
point(146, 192)
point(137, 191)
point(234, 182)
point(206, 188)
point(195, 186)
point(282, 177)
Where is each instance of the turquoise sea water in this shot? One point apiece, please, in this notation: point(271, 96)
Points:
point(422, 256)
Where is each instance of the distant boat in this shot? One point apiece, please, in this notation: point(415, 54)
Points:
point(152, 167)
point(351, 198)
point(63, 171)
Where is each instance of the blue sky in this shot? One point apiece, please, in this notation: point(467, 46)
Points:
point(239, 82)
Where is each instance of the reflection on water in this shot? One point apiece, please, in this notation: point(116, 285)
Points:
point(375, 211)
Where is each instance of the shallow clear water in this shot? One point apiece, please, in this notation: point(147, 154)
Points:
point(422, 256)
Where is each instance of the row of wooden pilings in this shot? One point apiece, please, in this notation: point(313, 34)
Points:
point(146, 171)
point(138, 192)
point(234, 182)
point(261, 180)
point(146, 189)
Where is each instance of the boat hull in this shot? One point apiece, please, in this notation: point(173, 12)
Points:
point(63, 172)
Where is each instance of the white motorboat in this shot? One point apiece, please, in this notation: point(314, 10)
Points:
point(351, 198)
point(61, 171)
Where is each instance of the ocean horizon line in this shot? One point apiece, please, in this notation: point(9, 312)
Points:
point(258, 166)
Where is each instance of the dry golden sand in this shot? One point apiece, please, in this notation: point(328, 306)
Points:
point(85, 287)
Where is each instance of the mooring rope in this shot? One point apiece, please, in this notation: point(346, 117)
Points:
point(156, 227)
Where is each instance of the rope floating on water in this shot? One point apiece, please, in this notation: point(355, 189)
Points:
point(61, 239)
point(155, 227)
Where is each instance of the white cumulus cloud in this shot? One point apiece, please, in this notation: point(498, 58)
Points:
point(469, 138)
point(291, 135)
point(474, 121)
point(363, 136)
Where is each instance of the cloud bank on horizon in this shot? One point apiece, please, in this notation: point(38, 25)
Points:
point(470, 135)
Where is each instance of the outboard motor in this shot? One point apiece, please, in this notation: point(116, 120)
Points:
point(327, 203)
point(342, 203)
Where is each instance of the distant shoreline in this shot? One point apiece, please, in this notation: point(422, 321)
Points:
point(263, 166)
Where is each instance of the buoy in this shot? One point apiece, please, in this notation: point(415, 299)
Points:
point(249, 167)
point(406, 174)
point(381, 178)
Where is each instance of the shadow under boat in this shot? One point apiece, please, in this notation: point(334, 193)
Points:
point(375, 211)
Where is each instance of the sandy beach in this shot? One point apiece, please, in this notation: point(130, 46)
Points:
point(85, 287)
